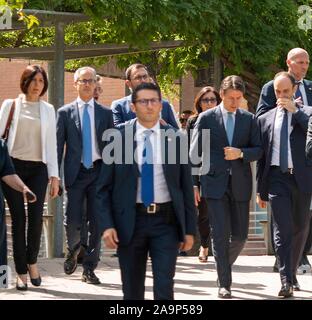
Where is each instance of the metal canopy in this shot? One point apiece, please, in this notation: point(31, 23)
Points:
point(82, 51)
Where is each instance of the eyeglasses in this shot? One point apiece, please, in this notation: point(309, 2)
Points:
point(85, 81)
point(140, 78)
point(144, 102)
point(182, 120)
point(207, 100)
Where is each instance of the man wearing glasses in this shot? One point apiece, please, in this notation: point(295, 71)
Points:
point(80, 127)
point(136, 74)
point(147, 206)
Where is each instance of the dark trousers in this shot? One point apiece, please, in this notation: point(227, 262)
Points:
point(26, 249)
point(154, 236)
point(3, 237)
point(83, 190)
point(229, 221)
point(291, 221)
point(308, 243)
point(203, 223)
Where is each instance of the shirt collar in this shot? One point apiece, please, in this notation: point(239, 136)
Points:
point(224, 111)
point(140, 129)
point(81, 103)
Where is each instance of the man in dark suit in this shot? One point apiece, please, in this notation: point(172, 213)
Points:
point(234, 143)
point(80, 127)
point(122, 111)
point(146, 202)
point(298, 64)
point(284, 178)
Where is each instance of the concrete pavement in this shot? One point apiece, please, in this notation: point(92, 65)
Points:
point(252, 279)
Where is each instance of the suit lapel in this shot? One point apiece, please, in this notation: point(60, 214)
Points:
point(135, 166)
point(237, 126)
point(270, 129)
point(164, 147)
point(76, 117)
point(97, 118)
point(219, 119)
point(308, 90)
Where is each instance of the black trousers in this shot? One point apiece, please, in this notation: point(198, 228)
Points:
point(229, 221)
point(291, 221)
point(203, 223)
point(26, 248)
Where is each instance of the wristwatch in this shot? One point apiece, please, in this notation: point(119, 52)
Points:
point(241, 155)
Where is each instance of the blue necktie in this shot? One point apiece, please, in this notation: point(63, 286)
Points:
point(229, 127)
point(147, 174)
point(86, 138)
point(284, 143)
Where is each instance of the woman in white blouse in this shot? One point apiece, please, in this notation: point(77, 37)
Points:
point(32, 147)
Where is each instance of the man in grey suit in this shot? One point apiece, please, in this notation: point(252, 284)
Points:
point(80, 127)
point(234, 143)
point(284, 178)
point(146, 202)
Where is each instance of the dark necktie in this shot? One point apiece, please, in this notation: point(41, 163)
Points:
point(298, 93)
point(284, 143)
point(147, 173)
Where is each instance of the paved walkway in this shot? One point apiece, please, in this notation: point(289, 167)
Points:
point(252, 279)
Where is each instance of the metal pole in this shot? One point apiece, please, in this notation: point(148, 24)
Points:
point(56, 97)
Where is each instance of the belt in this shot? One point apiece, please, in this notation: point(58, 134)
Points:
point(289, 170)
point(94, 164)
point(154, 208)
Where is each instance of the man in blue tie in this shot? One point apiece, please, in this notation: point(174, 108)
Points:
point(147, 203)
point(284, 178)
point(234, 143)
point(80, 127)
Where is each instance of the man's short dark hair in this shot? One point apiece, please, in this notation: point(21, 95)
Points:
point(145, 86)
point(134, 66)
point(232, 82)
point(286, 74)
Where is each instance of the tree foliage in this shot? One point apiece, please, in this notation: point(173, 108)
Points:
point(251, 37)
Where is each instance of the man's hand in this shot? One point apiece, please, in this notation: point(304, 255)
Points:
point(287, 104)
point(196, 196)
point(299, 101)
point(110, 238)
point(262, 204)
point(231, 153)
point(188, 243)
point(29, 196)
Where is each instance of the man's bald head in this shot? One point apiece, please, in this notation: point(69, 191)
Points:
point(298, 63)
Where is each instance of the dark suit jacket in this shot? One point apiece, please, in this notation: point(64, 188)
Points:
point(122, 112)
point(267, 100)
point(69, 133)
point(302, 165)
point(246, 137)
point(117, 189)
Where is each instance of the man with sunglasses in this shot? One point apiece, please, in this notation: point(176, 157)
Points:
point(136, 74)
point(80, 127)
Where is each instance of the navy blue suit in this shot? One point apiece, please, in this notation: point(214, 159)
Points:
point(267, 98)
point(122, 112)
point(80, 182)
point(228, 184)
point(289, 194)
point(137, 234)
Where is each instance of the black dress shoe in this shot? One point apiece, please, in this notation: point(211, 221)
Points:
point(36, 281)
point(296, 285)
point(70, 264)
point(224, 293)
point(89, 276)
point(286, 291)
point(20, 285)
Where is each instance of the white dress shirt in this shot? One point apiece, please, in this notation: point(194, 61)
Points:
point(225, 114)
point(275, 161)
point(161, 192)
point(95, 149)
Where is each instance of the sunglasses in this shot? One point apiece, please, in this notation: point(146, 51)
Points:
point(207, 100)
point(182, 120)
